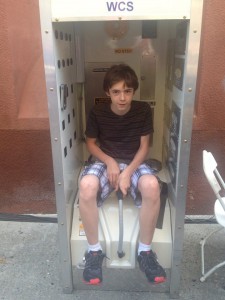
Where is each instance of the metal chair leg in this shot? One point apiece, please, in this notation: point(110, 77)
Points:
point(202, 243)
point(203, 278)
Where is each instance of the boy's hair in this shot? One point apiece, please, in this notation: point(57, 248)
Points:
point(117, 73)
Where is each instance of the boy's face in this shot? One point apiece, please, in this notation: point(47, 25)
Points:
point(121, 97)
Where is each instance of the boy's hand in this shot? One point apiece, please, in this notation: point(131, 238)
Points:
point(113, 172)
point(124, 182)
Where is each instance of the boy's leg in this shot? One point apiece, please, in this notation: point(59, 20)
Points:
point(89, 186)
point(149, 211)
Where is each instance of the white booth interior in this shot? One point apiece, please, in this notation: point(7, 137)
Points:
point(149, 48)
point(145, 50)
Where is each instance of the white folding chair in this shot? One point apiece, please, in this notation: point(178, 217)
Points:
point(217, 184)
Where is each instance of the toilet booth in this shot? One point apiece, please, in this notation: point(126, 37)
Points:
point(160, 41)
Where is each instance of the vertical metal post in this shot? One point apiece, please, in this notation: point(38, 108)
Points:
point(189, 87)
point(63, 207)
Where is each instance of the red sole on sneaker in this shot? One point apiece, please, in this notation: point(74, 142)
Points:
point(95, 281)
point(160, 279)
point(157, 279)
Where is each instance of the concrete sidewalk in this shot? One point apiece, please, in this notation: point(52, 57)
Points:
point(29, 266)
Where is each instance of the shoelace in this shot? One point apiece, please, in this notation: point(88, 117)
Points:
point(149, 261)
point(95, 260)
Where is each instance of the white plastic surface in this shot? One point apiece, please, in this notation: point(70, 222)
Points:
point(219, 212)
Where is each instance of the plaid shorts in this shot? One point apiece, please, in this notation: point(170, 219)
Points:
point(99, 169)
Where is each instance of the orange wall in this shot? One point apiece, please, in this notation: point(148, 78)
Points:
point(211, 80)
point(23, 97)
point(209, 121)
point(26, 177)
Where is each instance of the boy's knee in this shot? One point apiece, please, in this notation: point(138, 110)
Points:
point(149, 186)
point(88, 186)
point(149, 182)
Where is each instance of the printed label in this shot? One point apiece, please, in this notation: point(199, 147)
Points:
point(81, 230)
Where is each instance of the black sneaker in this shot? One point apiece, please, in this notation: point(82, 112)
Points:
point(148, 263)
point(93, 267)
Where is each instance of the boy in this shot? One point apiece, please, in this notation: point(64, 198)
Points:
point(118, 135)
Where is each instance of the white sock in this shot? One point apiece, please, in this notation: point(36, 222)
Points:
point(94, 248)
point(143, 247)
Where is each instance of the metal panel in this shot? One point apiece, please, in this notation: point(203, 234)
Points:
point(187, 109)
point(65, 62)
point(58, 48)
point(113, 10)
point(148, 77)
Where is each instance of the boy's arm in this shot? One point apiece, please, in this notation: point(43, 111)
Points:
point(113, 170)
point(140, 156)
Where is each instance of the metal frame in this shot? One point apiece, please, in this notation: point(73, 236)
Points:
point(64, 207)
point(178, 197)
point(205, 275)
point(189, 88)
